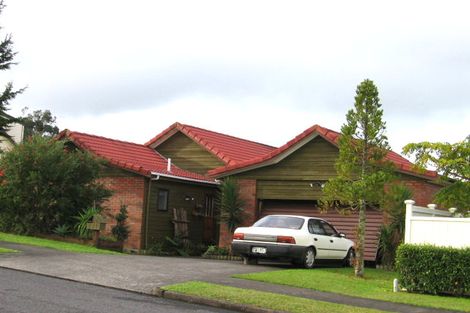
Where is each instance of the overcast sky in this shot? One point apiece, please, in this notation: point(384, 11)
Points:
point(262, 70)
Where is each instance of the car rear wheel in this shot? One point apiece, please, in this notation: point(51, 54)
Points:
point(308, 260)
point(350, 258)
point(250, 260)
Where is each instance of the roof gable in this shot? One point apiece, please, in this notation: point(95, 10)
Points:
point(129, 156)
point(187, 154)
point(300, 140)
point(229, 149)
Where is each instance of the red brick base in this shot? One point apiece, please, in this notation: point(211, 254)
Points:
point(248, 195)
point(129, 191)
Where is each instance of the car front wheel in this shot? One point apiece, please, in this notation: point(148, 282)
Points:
point(350, 259)
point(308, 260)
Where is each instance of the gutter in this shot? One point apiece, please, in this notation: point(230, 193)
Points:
point(158, 175)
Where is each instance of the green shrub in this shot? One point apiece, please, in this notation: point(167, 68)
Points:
point(83, 218)
point(121, 230)
point(231, 205)
point(45, 183)
point(214, 250)
point(434, 270)
point(62, 230)
point(195, 249)
point(157, 248)
point(108, 238)
point(175, 246)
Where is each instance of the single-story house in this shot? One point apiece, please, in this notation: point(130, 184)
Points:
point(272, 180)
point(150, 186)
point(288, 180)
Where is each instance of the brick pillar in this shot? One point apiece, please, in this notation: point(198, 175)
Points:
point(128, 190)
point(248, 195)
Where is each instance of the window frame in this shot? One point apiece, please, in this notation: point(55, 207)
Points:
point(311, 230)
point(167, 199)
point(335, 232)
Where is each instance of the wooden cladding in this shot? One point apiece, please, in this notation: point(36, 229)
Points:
point(313, 161)
point(191, 198)
point(187, 154)
point(292, 190)
point(343, 223)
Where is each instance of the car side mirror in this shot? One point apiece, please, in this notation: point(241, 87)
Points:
point(342, 235)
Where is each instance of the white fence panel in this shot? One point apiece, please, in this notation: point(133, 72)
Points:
point(431, 226)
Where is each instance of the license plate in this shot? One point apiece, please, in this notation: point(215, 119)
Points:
point(260, 250)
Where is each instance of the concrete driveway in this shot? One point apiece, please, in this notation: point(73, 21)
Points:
point(130, 272)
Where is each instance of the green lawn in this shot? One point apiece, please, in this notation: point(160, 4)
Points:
point(376, 285)
point(262, 299)
point(58, 245)
point(5, 250)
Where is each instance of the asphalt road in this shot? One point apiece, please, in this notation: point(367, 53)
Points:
point(26, 293)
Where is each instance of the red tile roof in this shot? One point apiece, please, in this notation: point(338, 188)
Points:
point(229, 149)
point(130, 156)
point(400, 162)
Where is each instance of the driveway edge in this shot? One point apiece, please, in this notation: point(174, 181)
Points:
point(162, 293)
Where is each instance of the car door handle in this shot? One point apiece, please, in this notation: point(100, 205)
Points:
point(331, 240)
point(316, 239)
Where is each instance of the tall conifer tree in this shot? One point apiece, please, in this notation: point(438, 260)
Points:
point(6, 61)
point(361, 170)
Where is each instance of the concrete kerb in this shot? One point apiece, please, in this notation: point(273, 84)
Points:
point(161, 292)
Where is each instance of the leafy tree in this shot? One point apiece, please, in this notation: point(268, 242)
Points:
point(231, 206)
point(361, 170)
point(452, 161)
point(39, 122)
point(44, 186)
point(6, 61)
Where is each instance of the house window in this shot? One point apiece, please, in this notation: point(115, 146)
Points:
point(209, 206)
point(162, 200)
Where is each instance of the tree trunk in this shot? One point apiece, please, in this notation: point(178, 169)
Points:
point(359, 266)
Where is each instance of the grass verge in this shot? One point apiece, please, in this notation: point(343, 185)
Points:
point(58, 245)
point(5, 250)
point(262, 299)
point(376, 285)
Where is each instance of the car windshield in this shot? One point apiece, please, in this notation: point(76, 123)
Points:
point(280, 222)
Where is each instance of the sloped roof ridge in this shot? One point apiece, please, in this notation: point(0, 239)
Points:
point(324, 132)
point(158, 163)
point(107, 138)
point(231, 136)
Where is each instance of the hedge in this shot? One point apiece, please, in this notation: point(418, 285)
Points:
point(434, 270)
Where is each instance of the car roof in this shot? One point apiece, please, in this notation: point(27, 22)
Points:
point(299, 216)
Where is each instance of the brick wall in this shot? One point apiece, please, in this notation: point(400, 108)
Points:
point(423, 192)
point(128, 190)
point(248, 195)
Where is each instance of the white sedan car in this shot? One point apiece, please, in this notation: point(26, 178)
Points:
point(299, 239)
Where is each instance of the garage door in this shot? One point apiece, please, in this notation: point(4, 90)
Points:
point(343, 223)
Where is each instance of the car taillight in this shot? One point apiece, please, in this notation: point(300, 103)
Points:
point(285, 239)
point(238, 236)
